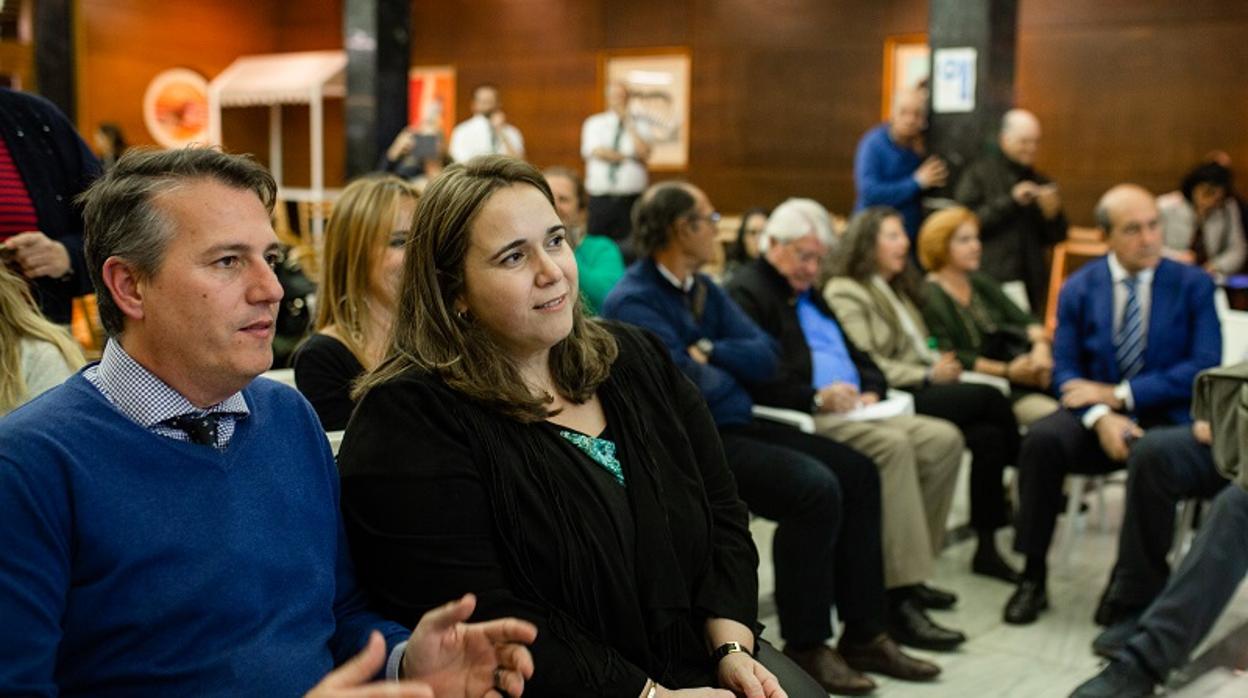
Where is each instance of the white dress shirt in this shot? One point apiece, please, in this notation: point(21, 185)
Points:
point(599, 131)
point(476, 137)
point(1143, 296)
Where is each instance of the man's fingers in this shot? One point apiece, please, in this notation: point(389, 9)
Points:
point(24, 240)
point(506, 630)
point(510, 681)
point(517, 658)
point(391, 689)
point(448, 614)
point(360, 668)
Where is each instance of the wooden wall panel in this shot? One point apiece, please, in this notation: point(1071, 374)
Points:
point(126, 43)
point(1135, 90)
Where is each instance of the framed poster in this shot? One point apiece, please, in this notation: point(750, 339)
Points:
point(907, 65)
point(431, 100)
point(658, 84)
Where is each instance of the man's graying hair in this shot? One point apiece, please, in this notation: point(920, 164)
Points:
point(656, 211)
point(120, 219)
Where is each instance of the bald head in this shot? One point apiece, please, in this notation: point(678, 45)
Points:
point(1020, 136)
point(909, 115)
point(1128, 215)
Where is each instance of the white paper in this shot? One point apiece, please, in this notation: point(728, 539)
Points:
point(898, 404)
point(953, 80)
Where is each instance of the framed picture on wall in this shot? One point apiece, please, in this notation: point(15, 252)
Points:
point(907, 65)
point(658, 85)
point(431, 100)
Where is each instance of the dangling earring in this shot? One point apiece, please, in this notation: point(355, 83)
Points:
point(461, 315)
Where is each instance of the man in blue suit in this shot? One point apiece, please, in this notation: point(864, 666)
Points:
point(1133, 331)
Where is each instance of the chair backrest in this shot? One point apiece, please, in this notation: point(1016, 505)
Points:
point(285, 376)
point(1068, 256)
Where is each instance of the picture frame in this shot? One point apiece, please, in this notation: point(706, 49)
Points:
point(907, 65)
point(658, 80)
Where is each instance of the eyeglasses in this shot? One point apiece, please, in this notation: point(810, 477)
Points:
point(712, 217)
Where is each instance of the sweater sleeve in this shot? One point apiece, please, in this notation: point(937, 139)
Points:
point(420, 523)
point(741, 347)
point(786, 389)
point(940, 316)
point(993, 211)
point(35, 573)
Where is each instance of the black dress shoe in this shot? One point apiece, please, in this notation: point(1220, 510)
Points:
point(988, 562)
point(1123, 678)
point(1115, 637)
point(909, 625)
point(933, 598)
point(1025, 605)
point(883, 656)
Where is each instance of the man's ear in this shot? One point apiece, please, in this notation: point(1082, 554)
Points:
point(123, 284)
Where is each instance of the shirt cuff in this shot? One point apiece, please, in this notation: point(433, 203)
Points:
point(1122, 391)
point(1094, 413)
point(395, 661)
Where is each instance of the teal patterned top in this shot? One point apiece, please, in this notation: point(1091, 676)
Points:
point(600, 451)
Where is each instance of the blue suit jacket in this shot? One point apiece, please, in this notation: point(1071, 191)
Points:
point(1184, 337)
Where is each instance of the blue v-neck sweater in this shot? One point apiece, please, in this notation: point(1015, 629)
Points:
point(133, 564)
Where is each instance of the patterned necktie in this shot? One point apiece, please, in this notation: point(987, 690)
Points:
point(202, 429)
point(613, 170)
point(1129, 342)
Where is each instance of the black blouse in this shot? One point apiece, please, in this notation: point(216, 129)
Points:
point(443, 496)
point(324, 371)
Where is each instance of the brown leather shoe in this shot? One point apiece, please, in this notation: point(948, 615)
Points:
point(825, 665)
point(884, 656)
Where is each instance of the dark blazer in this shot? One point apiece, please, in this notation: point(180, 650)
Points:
point(1183, 336)
point(767, 297)
point(442, 496)
point(55, 166)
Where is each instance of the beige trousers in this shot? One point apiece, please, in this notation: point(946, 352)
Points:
point(918, 458)
point(1033, 407)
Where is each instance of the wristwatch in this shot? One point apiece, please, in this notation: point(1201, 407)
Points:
point(728, 648)
point(705, 346)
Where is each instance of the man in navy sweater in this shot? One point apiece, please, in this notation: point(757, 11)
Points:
point(889, 166)
point(824, 496)
point(171, 525)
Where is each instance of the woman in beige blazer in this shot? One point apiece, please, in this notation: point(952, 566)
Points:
point(873, 291)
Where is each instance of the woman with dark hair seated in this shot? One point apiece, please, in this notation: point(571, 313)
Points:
point(874, 293)
point(1201, 223)
point(969, 314)
point(744, 249)
point(558, 466)
point(357, 295)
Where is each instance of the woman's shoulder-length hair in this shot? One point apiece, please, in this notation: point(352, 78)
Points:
point(429, 335)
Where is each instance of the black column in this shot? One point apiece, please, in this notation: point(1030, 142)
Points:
point(54, 54)
point(378, 40)
point(991, 28)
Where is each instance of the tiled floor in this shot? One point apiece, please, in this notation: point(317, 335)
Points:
point(1048, 658)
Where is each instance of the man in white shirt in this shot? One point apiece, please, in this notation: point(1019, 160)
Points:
point(615, 147)
point(487, 132)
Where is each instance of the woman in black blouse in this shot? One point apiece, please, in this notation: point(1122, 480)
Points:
point(559, 467)
point(358, 293)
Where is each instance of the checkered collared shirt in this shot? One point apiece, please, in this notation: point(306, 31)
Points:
point(149, 401)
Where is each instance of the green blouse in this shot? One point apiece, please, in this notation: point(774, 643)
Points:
point(962, 328)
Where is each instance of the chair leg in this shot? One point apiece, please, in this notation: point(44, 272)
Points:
point(1076, 485)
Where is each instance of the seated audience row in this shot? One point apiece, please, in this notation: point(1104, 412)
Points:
point(824, 496)
point(170, 524)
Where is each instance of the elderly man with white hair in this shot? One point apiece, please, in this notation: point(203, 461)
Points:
point(821, 372)
point(1019, 209)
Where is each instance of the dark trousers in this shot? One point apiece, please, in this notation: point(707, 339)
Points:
point(987, 423)
point(825, 498)
point(1055, 446)
point(1165, 467)
point(1199, 589)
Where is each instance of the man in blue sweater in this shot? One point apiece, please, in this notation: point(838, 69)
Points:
point(824, 496)
point(889, 165)
point(171, 525)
